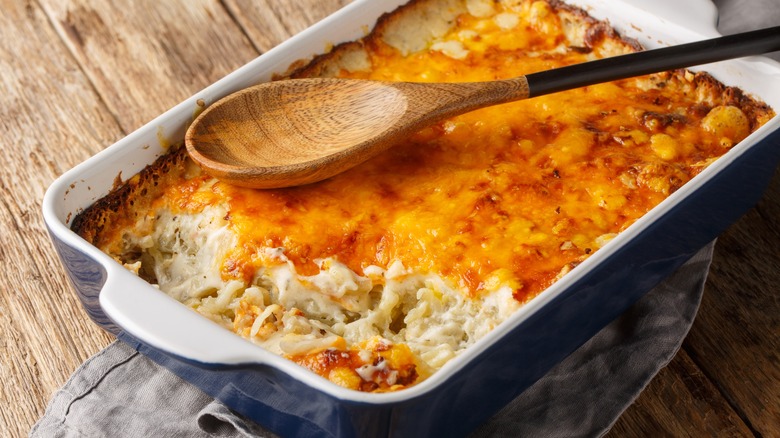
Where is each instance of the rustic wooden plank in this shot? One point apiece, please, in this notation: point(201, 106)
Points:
point(69, 90)
point(50, 119)
point(736, 338)
point(145, 56)
point(269, 22)
point(680, 402)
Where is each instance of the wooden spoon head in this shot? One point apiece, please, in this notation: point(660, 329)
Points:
point(295, 132)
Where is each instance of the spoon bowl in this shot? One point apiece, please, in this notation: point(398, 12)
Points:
point(294, 132)
point(299, 131)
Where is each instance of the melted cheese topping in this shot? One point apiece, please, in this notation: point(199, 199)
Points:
point(378, 276)
point(510, 194)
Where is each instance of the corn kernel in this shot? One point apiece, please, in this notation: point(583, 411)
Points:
point(664, 146)
point(345, 377)
point(728, 123)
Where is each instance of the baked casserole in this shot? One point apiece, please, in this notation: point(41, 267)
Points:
point(377, 277)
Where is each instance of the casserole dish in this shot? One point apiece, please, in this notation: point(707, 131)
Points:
point(248, 379)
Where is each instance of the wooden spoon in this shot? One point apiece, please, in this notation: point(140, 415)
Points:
point(299, 131)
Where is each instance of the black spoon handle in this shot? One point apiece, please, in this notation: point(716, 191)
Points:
point(652, 61)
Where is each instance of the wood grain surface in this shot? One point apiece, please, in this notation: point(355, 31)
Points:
point(77, 75)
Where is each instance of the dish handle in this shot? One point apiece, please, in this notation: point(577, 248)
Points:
point(166, 324)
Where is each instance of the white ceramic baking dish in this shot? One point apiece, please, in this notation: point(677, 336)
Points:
point(292, 401)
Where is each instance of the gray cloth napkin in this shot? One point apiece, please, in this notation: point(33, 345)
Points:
point(120, 393)
point(745, 15)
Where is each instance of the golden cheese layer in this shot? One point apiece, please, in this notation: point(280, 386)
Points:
point(505, 198)
point(513, 193)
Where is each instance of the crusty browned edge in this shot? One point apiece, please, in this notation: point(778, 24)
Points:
point(597, 31)
point(133, 198)
point(756, 111)
point(320, 64)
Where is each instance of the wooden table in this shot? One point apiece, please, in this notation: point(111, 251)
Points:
point(75, 76)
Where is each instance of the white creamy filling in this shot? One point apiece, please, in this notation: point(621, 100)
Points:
point(187, 251)
point(289, 313)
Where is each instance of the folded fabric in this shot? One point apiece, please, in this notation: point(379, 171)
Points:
point(120, 393)
point(746, 15)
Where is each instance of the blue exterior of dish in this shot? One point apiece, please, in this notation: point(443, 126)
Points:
point(506, 368)
point(87, 277)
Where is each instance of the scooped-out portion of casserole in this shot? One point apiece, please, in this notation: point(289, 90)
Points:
point(377, 277)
